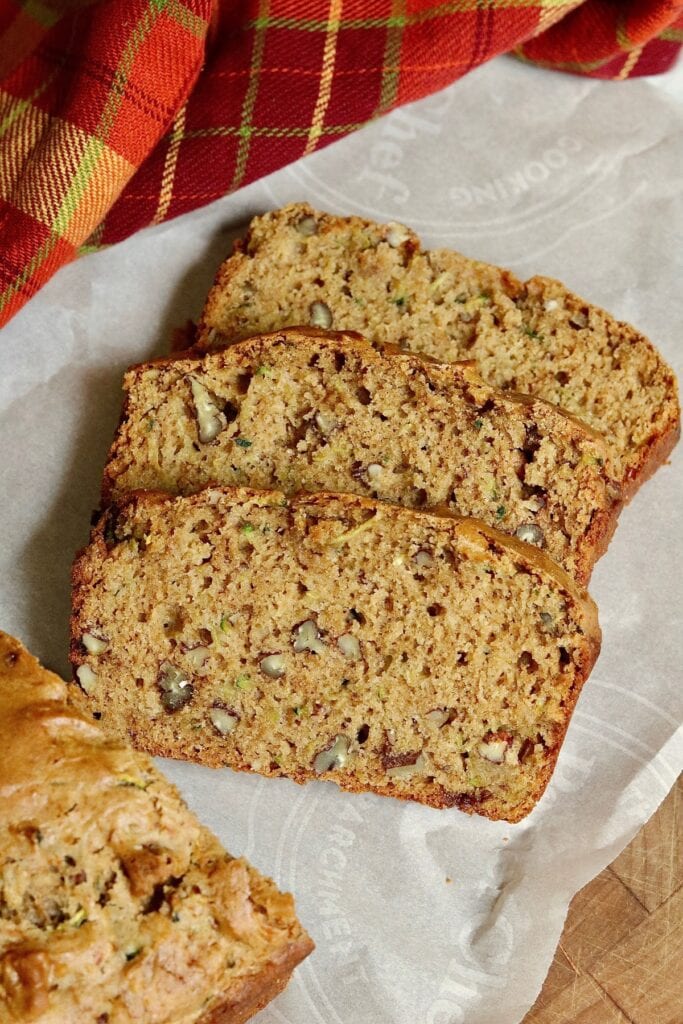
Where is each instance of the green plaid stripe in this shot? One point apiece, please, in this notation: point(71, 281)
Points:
point(89, 247)
point(42, 13)
point(93, 151)
point(392, 52)
point(245, 130)
point(186, 18)
point(271, 132)
point(566, 65)
point(396, 20)
point(62, 177)
point(118, 86)
point(79, 182)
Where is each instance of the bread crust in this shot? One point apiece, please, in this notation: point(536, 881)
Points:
point(472, 530)
point(260, 989)
point(650, 457)
point(34, 706)
point(555, 422)
point(639, 461)
point(463, 525)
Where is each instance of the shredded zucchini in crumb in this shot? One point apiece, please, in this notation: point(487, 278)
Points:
point(343, 538)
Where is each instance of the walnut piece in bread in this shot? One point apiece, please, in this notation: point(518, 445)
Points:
point(313, 410)
point(534, 336)
point(415, 654)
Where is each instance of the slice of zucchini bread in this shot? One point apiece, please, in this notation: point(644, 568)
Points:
point(422, 656)
point(116, 905)
point(300, 266)
point(312, 410)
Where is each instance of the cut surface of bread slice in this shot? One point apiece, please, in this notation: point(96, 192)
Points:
point(418, 655)
point(301, 266)
point(117, 906)
point(310, 410)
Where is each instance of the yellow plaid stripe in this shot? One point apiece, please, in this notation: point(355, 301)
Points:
point(85, 176)
point(61, 194)
point(622, 35)
point(629, 64)
point(80, 208)
point(325, 89)
point(21, 126)
point(118, 86)
point(13, 109)
point(93, 243)
point(170, 164)
point(552, 14)
point(187, 18)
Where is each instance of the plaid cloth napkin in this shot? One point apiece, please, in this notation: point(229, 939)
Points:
point(116, 114)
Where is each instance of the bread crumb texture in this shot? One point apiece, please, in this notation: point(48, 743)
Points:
point(300, 266)
point(418, 655)
point(322, 411)
point(116, 905)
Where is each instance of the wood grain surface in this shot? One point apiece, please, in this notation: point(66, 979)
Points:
point(620, 958)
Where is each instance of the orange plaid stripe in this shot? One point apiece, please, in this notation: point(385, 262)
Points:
point(122, 113)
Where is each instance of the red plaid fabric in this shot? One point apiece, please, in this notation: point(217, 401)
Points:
point(122, 113)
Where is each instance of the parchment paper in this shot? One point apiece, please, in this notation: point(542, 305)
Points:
point(419, 915)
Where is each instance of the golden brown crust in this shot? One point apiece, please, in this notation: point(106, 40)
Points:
point(475, 541)
point(602, 369)
point(650, 457)
point(477, 532)
point(107, 878)
point(645, 459)
point(581, 501)
point(259, 990)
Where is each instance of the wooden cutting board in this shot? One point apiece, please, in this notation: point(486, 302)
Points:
point(620, 958)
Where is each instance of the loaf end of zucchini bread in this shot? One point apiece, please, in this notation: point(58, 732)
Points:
point(116, 902)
